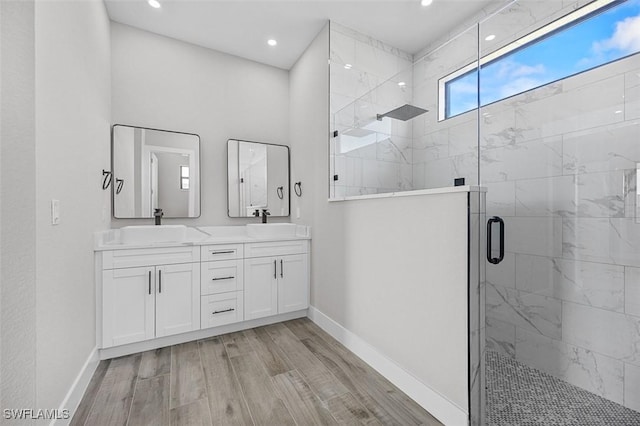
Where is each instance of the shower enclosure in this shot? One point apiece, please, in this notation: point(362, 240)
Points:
point(559, 149)
point(538, 102)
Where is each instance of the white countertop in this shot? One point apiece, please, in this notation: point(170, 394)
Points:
point(197, 236)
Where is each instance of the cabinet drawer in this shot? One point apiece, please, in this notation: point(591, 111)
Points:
point(222, 252)
point(115, 259)
point(221, 277)
point(221, 309)
point(276, 248)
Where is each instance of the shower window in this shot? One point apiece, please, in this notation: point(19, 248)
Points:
point(599, 33)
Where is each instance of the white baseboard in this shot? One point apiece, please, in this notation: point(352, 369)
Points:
point(73, 397)
point(438, 405)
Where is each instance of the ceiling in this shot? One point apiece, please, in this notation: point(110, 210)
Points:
point(242, 27)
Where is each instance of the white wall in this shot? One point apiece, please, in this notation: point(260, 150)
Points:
point(396, 303)
point(17, 206)
point(72, 148)
point(163, 83)
point(55, 139)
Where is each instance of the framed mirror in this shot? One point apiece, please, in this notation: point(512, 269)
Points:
point(258, 178)
point(154, 169)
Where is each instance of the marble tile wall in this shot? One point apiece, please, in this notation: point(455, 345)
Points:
point(560, 167)
point(368, 156)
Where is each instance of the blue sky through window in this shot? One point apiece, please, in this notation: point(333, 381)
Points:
point(592, 42)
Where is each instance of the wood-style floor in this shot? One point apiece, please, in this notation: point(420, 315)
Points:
point(290, 373)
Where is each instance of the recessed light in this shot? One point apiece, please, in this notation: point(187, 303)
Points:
point(402, 83)
point(426, 2)
point(490, 37)
point(271, 42)
point(347, 66)
point(154, 3)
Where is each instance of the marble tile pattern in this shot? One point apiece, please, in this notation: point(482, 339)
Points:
point(369, 156)
point(560, 166)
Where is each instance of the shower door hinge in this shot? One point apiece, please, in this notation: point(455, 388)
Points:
point(335, 177)
point(335, 133)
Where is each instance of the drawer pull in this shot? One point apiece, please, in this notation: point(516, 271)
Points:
point(223, 311)
point(223, 252)
point(222, 278)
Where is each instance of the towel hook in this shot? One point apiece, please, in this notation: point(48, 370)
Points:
point(120, 183)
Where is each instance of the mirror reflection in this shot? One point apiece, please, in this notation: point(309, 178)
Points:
point(155, 169)
point(258, 178)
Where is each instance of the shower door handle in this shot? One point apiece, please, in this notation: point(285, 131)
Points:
point(490, 222)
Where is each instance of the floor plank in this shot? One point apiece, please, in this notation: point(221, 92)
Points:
point(237, 344)
point(226, 400)
point(315, 373)
point(113, 401)
point(274, 360)
point(193, 414)
point(282, 374)
point(394, 401)
point(155, 363)
point(348, 410)
point(303, 404)
point(265, 407)
point(150, 405)
point(81, 414)
point(187, 377)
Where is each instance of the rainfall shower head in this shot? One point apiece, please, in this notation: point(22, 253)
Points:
point(404, 113)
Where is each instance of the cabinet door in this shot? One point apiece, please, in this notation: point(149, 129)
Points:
point(260, 287)
point(177, 299)
point(293, 283)
point(127, 306)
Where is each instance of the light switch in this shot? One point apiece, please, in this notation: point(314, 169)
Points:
point(55, 212)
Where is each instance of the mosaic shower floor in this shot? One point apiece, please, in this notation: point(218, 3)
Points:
point(518, 395)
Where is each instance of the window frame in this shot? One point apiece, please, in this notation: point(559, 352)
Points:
point(566, 21)
point(184, 179)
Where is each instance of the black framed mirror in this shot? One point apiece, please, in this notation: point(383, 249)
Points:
point(154, 169)
point(258, 178)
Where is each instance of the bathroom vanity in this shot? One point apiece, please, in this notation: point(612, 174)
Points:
point(158, 286)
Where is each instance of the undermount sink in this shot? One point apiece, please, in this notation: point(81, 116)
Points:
point(145, 234)
point(266, 230)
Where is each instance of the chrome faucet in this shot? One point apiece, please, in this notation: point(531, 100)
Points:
point(157, 213)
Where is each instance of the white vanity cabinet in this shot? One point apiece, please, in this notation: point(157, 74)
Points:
point(276, 284)
point(193, 291)
point(145, 296)
point(222, 284)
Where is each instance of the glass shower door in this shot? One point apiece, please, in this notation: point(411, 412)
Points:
point(559, 153)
